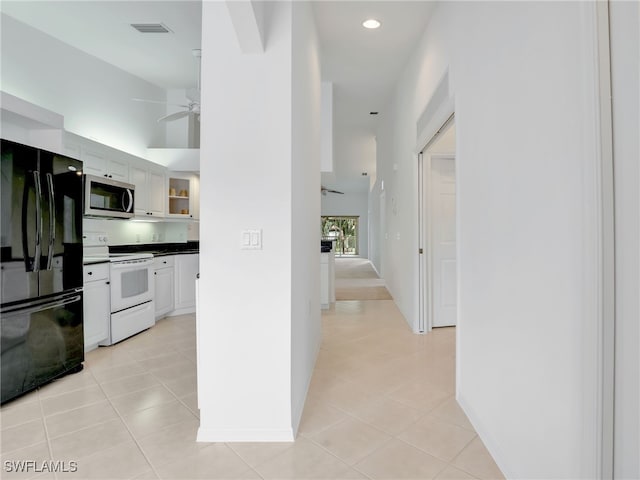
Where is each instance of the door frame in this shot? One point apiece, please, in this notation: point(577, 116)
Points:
point(425, 233)
point(425, 258)
point(382, 232)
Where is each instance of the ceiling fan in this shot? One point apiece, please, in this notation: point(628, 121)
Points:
point(193, 94)
point(325, 190)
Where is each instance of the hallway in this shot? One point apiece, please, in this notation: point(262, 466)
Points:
point(380, 406)
point(357, 280)
point(382, 399)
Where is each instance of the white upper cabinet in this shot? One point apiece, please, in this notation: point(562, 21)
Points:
point(149, 180)
point(183, 195)
point(97, 159)
point(156, 192)
point(101, 162)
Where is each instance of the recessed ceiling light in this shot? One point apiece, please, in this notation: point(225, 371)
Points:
point(371, 23)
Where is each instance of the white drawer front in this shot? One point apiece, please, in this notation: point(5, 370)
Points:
point(95, 272)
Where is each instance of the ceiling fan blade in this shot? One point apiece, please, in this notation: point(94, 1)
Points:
point(174, 116)
point(324, 190)
point(159, 102)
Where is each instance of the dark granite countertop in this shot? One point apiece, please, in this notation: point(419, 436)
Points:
point(158, 249)
point(94, 260)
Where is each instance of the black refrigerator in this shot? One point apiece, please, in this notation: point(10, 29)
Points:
point(41, 271)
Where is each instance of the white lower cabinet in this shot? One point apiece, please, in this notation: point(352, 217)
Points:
point(187, 268)
point(164, 284)
point(175, 284)
point(97, 304)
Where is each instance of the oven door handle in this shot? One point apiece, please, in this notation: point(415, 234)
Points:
point(132, 266)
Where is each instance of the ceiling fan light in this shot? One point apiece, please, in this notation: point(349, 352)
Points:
point(371, 23)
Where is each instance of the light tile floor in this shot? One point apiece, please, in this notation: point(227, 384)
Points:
point(380, 406)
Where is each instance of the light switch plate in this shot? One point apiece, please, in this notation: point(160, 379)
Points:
point(251, 240)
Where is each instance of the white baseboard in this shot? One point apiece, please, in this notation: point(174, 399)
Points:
point(487, 439)
point(298, 410)
point(181, 311)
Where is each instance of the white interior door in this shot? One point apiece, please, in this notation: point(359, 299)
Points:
point(443, 240)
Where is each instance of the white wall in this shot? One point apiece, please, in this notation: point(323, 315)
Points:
point(523, 79)
point(305, 246)
point(350, 204)
point(93, 96)
point(625, 24)
point(248, 318)
point(130, 232)
point(326, 145)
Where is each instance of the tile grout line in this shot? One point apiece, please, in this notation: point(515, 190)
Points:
point(133, 437)
point(251, 467)
point(387, 441)
point(353, 467)
point(46, 432)
point(176, 396)
point(460, 453)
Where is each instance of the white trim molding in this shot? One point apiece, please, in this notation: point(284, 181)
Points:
point(598, 252)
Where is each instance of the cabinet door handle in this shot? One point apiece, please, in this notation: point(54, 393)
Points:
point(107, 283)
point(155, 273)
point(89, 273)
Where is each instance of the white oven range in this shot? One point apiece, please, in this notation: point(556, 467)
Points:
point(131, 287)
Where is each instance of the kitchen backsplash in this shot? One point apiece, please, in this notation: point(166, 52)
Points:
point(126, 232)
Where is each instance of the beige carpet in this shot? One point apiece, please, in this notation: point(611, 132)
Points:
point(357, 280)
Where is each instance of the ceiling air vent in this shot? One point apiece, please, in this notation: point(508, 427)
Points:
point(151, 27)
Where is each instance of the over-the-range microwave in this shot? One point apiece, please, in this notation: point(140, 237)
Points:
point(105, 197)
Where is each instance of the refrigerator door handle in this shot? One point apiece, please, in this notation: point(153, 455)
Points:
point(36, 260)
point(38, 306)
point(52, 221)
point(32, 265)
point(28, 265)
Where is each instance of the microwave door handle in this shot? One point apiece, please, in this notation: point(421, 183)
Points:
point(127, 208)
point(36, 260)
point(52, 221)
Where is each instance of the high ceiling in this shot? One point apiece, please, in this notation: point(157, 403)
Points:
point(363, 64)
